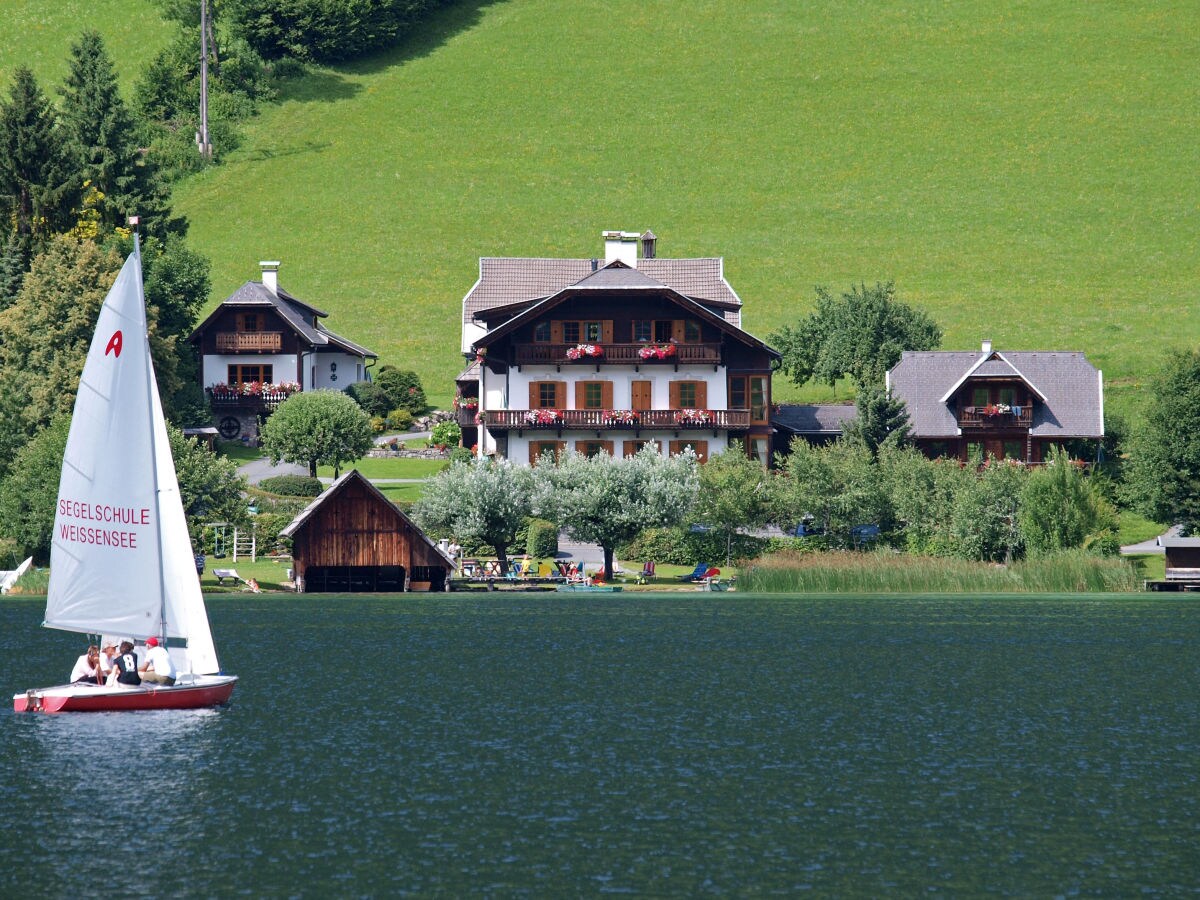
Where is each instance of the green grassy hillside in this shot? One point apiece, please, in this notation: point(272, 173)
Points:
point(1025, 173)
point(39, 34)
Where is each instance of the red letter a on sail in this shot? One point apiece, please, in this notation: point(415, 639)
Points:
point(114, 345)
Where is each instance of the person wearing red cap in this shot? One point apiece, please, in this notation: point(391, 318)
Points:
point(158, 668)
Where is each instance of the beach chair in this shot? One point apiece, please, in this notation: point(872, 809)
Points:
point(696, 574)
point(647, 572)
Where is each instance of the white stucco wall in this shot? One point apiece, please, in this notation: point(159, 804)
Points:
point(216, 368)
point(336, 371)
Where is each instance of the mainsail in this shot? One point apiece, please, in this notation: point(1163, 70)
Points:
point(121, 559)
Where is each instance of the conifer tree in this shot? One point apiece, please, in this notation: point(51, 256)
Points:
point(37, 186)
point(103, 137)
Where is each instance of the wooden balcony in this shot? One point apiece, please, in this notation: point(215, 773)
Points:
point(465, 416)
point(595, 420)
point(249, 341)
point(618, 354)
point(265, 401)
point(978, 417)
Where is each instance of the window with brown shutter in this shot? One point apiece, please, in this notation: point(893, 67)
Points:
point(632, 448)
point(593, 394)
point(689, 395)
point(547, 394)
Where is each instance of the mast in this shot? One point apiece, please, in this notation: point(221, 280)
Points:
point(151, 385)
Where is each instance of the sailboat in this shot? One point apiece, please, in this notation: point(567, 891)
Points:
point(121, 560)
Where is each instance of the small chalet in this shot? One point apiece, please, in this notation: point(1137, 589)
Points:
point(1011, 405)
point(261, 345)
point(606, 356)
point(353, 539)
point(818, 424)
point(1182, 563)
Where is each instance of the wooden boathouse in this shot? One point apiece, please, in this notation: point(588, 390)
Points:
point(353, 539)
point(1182, 568)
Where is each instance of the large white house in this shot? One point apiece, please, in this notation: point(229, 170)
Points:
point(609, 355)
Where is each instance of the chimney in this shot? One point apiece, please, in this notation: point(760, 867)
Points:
point(622, 245)
point(270, 275)
point(649, 244)
point(987, 346)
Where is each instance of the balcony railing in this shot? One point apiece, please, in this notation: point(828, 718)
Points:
point(466, 416)
point(249, 341)
point(596, 420)
point(993, 417)
point(266, 400)
point(618, 354)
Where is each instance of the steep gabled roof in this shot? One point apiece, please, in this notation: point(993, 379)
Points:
point(354, 477)
point(508, 281)
point(1071, 389)
point(619, 277)
point(303, 318)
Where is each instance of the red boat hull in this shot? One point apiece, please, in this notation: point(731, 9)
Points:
point(72, 698)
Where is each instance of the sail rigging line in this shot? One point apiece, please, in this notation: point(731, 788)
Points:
point(151, 386)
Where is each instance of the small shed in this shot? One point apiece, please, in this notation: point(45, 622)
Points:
point(353, 539)
point(1182, 560)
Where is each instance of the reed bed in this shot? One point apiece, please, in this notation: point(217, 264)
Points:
point(889, 572)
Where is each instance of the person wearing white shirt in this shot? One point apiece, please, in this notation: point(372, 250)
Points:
point(158, 668)
point(87, 667)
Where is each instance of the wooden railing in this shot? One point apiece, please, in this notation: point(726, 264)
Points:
point(231, 399)
point(249, 341)
point(466, 416)
point(976, 417)
point(595, 420)
point(618, 354)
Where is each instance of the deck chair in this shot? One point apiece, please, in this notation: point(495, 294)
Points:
point(647, 572)
point(696, 574)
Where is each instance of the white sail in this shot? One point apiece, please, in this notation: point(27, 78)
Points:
point(117, 561)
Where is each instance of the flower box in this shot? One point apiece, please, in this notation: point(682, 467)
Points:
point(585, 351)
point(697, 417)
point(657, 351)
point(621, 417)
point(542, 417)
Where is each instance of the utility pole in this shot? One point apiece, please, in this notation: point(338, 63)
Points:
point(202, 140)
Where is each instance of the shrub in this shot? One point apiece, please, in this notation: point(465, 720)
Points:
point(460, 454)
point(368, 396)
point(378, 424)
point(541, 538)
point(292, 485)
point(446, 434)
point(681, 547)
point(400, 420)
point(267, 528)
point(403, 389)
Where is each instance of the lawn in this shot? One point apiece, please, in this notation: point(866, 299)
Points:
point(390, 467)
point(39, 34)
point(1026, 174)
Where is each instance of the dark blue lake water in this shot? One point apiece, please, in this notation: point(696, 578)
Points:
point(663, 745)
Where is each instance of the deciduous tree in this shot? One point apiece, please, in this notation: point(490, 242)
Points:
point(317, 428)
point(478, 501)
point(859, 335)
point(29, 493)
point(1163, 470)
point(734, 493)
point(607, 501)
point(838, 484)
point(1060, 508)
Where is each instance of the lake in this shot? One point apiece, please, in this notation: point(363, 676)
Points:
point(670, 745)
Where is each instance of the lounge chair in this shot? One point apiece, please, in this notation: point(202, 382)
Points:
point(647, 572)
point(696, 574)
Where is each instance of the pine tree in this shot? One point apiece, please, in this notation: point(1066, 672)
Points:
point(14, 263)
point(37, 185)
point(103, 136)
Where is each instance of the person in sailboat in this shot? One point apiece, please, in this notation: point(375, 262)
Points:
point(126, 665)
point(158, 668)
point(87, 668)
point(108, 652)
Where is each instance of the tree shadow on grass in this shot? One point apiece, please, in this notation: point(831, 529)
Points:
point(328, 84)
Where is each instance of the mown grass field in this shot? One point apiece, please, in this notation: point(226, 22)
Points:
point(1024, 173)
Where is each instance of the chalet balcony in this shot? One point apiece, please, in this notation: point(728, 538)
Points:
point(249, 341)
point(465, 416)
point(615, 420)
point(996, 417)
point(262, 401)
point(619, 354)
